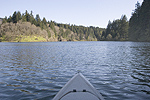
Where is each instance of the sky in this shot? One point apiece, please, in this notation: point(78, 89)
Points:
point(95, 13)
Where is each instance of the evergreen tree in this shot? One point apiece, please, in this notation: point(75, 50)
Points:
point(38, 20)
point(51, 25)
point(32, 20)
point(27, 15)
point(14, 17)
point(4, 20)
point(139, 23)
point(108, 29)
point(61, 32)
point(24, 18)
point(44, 23)
point(18, 16)
point(124, 28)
point(49, 33)
point(117, 30)
point(9, 19)
point(86, 33)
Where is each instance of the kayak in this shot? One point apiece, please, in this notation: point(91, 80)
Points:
point(78, 88)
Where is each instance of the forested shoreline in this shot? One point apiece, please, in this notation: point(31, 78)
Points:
point(19, 26)
point(139, 23)
point(24, 27)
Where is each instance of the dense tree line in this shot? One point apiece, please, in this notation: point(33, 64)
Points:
point(65, 31)
point(136, 29)
point(84, 33)
point(117, 30)
point(26, 17)
point(139, 23)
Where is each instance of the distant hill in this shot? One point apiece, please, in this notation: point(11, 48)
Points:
point(22, 32)
point(26, 28)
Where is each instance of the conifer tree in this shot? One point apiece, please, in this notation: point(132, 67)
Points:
point(32, 20)
point(4, 20)
point(14, 17)
point(18, 16)
point(24, 18)
point(139, 23)
point(38, 20)
point(9, 19)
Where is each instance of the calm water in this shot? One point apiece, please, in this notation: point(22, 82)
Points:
point(118, 70)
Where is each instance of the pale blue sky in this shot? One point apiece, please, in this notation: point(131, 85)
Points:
point(78, 12)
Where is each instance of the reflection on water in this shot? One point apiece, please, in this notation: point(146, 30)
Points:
point(118, 70)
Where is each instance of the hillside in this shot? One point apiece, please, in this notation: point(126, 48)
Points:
point(26, 28)
point(21, 31)
point(27, 32)
point(139, 23)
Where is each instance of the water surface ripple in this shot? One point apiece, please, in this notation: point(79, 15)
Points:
point(118, 70)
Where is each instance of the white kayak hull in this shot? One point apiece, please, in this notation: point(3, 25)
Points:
point(78, 88)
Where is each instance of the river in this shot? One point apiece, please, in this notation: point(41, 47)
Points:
point(118, 70)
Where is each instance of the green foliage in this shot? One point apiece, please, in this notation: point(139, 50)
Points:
point(27, 16)
point(44, 24)
point(49, 33)
point(24, 18)
point(38, 20)
point(18, 16)
point(139, 23)
point(137, 29)
point(117, 30)
point(16, 32)
point(61, 32)
point(32, 19)
point(14, 17)
point(109, 37)
point(9, 19)
point(4, 20)
point(51, 25)
point(83, 33)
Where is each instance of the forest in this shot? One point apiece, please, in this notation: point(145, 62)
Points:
point(24, 27)
point(117, 30)
point(139, 23)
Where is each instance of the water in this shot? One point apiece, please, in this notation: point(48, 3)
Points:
point(118, 70)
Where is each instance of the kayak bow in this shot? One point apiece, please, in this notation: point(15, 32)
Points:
point(78, 88)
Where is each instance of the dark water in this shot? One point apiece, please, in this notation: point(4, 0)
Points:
point(118, 70)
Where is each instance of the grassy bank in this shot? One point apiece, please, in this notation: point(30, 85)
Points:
point(31, 39)
point(27, 39)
